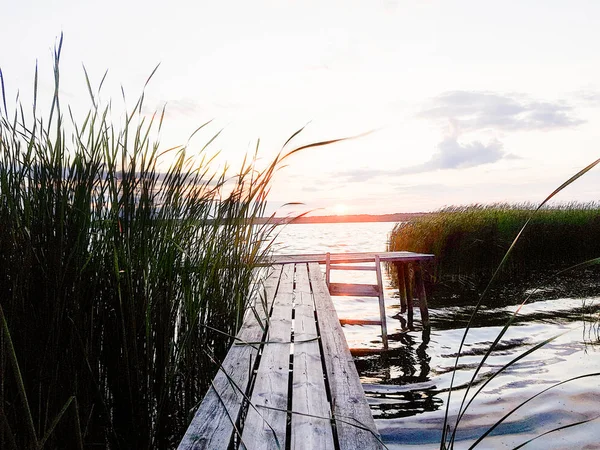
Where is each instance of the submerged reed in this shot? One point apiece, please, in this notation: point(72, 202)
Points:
point(120, 282)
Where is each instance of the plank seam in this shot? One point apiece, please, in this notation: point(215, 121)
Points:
point(288, 427)
point(235, 439)
point(323, 368)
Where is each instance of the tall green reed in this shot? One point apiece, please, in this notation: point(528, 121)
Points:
point(449, 430)
point(119, 278)
point(470, 241)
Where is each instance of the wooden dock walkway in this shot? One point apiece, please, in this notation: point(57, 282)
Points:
point(409, 272)
point(289, 380)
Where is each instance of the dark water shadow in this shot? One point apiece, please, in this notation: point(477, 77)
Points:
point(458, 317)
point(545, 284)
point(406, 363)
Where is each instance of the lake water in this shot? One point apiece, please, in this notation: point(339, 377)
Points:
point(407, 387)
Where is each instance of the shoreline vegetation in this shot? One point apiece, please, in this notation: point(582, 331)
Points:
point(122, 286)
point(469, 243)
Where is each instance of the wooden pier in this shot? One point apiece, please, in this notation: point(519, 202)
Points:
point(409, 271)
point(289, 380)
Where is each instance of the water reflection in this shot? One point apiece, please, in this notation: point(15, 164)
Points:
point(406, 364)
point(394, 406)
point(407, 387)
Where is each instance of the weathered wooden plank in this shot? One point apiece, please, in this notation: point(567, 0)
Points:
point(327, 268)
point(384, 338)
point(408, 281)
point(350, 267)
point(308, 393)
point(401, 285)
point(344, 384)
point(355, 290)
point(303, 284)
point(339, 258)
point(266, 428)
point(359, 322)
point(422, 295)
point(213, 424)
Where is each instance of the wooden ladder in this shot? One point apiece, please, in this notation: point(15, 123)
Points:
point(360, 290)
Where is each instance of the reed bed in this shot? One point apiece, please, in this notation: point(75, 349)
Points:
point(469, 242)
point(452, 424)
point(122, 282)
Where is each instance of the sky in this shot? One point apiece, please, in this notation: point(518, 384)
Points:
point(454, 102)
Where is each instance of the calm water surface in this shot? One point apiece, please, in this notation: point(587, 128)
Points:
point(407, 388)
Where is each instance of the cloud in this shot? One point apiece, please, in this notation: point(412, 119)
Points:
point(474, 110)
point(360, 175)
point(184, 106)
point(181, 107)
point(477, 112)
point(590, 97)
point(189, 107)
point(450, 154)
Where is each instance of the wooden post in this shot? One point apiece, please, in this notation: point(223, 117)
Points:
point(381, 303)
point(409, 294)
point(401, 286)
point(422, 295)
point(327, 268)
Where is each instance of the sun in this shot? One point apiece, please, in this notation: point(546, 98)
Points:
point(340, 209)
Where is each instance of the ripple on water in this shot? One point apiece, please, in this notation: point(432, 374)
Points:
point(407, 388)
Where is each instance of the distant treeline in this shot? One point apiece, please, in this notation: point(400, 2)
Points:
point(469, 242)
point(396, 217)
